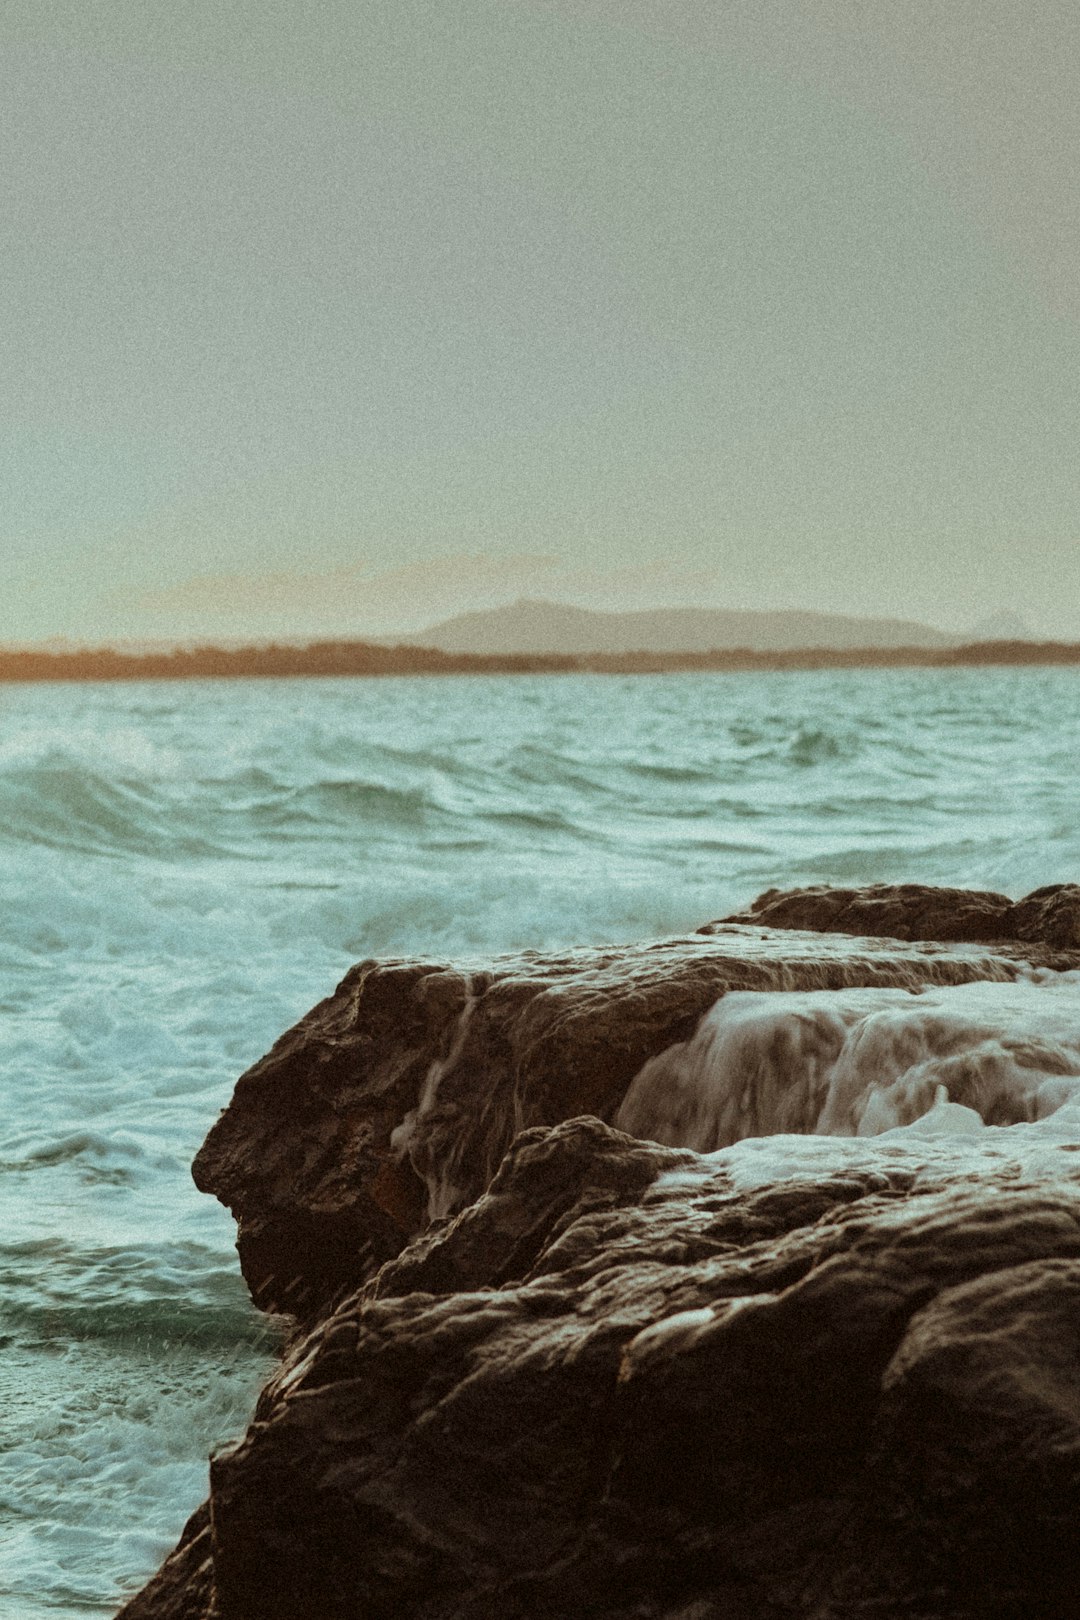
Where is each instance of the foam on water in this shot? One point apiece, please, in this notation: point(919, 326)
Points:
point(186, 868)
point(948, 1138)
point(106, 1443)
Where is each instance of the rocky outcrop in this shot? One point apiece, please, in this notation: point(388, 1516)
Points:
point(817, 1377)
point(544, 1367)
point(394, 1101)
point(1048, 917)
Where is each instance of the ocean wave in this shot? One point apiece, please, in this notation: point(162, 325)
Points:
point(341, 802)
point(75, 807)
point(107, 1461)
point(815, 745)
point(181, 1294)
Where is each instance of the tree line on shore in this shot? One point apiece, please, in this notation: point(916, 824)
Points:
point(339, 658)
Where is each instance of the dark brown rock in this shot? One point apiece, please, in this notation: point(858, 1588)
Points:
point(632, 1382)
point(395, 1099)
point(543, 1368)
point(1048, 917)
point(183, 1588)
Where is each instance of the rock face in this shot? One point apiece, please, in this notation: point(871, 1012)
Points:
point(543, 1367)
point(1046, 917)
point(394, 1101)
point(632, 1381)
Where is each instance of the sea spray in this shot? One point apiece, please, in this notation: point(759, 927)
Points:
point(862, 1061)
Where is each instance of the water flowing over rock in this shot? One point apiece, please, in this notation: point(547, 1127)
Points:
point(861, 1061)
point(710, 1368)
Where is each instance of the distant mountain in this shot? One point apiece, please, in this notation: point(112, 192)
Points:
point(1004, 626)
point(553, 627)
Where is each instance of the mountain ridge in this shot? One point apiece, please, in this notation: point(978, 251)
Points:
point(538, 626)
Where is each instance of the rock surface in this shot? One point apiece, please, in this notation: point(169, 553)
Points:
point(1047, 917)
point(394, 1101)
point(630, 1381)
point(544, 1368)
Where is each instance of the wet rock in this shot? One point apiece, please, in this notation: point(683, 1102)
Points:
point(183, 1588)
point(1047, 917)
point(544, 1368)
point(393, 1102)
point(803, 1376)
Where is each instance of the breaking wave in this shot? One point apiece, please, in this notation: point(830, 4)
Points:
point(863, 1061)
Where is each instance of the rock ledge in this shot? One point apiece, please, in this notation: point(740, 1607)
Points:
point(542, 1367)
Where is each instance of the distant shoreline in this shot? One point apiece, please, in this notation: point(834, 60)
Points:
point(355, 658)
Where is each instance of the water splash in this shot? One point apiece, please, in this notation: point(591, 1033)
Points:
point(860, 1062)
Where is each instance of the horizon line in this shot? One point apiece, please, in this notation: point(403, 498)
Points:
point(350, 657)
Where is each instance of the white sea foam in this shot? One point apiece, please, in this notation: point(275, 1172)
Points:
point(864, 1061)
point(111, 1443)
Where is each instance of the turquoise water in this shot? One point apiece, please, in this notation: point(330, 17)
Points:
point(186, 868)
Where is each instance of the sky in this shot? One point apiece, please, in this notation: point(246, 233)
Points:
point(339, 318)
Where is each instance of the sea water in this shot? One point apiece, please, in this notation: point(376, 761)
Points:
point(186, 867)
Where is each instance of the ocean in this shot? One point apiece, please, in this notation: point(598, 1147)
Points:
point(187, 867)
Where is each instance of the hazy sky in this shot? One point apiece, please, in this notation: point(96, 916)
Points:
point(338, 317)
